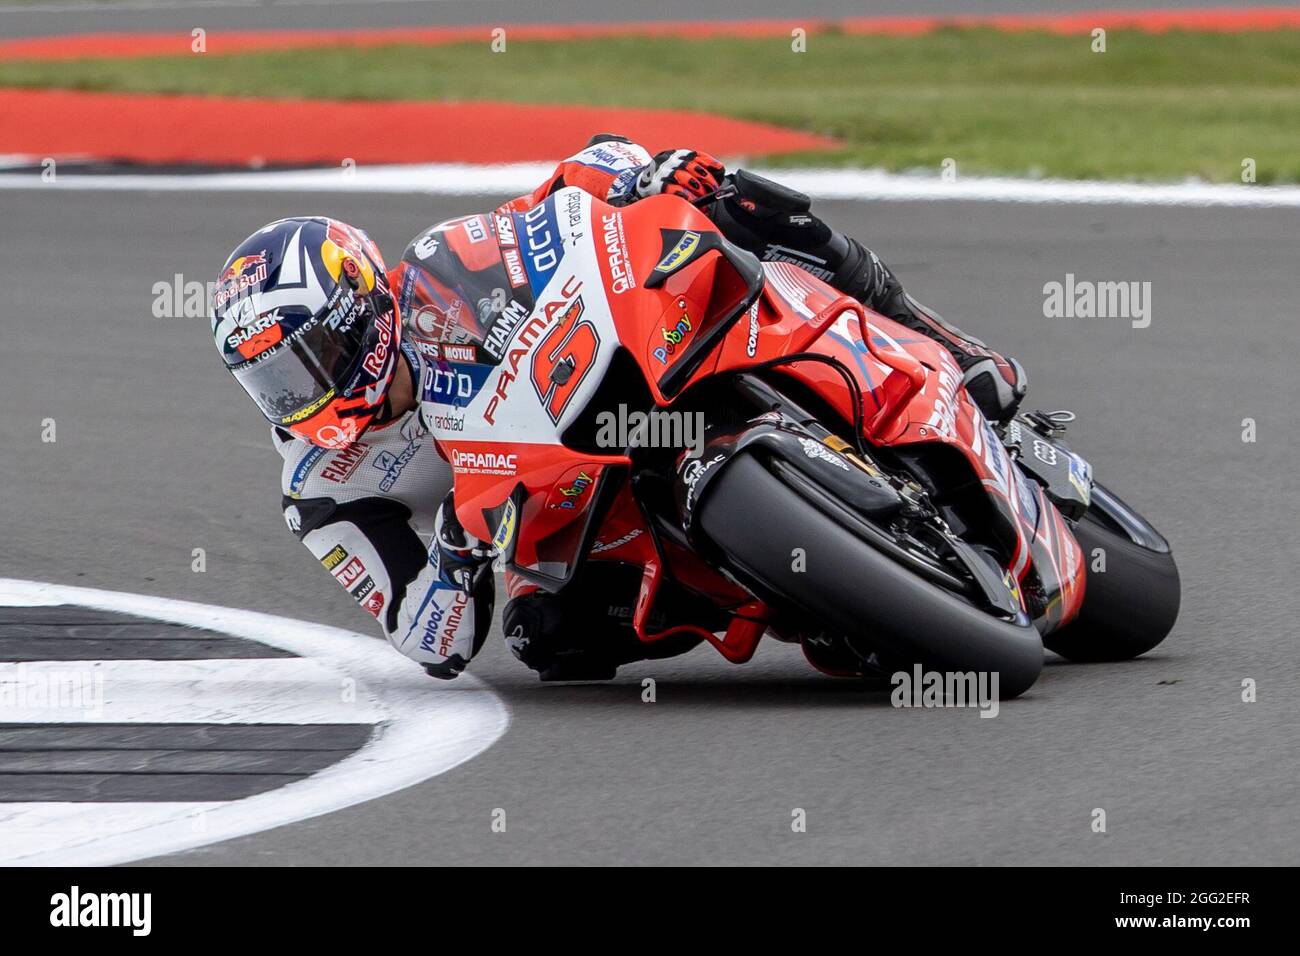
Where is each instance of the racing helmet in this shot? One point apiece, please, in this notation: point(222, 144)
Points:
point(305, 320)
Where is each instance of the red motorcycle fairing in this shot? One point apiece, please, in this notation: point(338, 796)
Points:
point(656, 280)
point(1045, 558)
point(509, 421)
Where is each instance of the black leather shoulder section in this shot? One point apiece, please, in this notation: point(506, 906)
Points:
point(310, 513)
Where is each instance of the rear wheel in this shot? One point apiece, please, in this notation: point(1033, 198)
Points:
point(1130, 606)
point(790, 551)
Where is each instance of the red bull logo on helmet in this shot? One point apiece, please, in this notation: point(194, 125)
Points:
point(240, 276)
point(377, 358)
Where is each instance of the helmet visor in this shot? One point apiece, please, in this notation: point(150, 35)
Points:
point(295, 378)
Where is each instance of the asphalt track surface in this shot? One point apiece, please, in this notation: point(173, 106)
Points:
point(158, 452)
point(54, 17)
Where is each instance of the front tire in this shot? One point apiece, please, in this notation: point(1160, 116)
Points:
point(1127, 609)
point(849, 586)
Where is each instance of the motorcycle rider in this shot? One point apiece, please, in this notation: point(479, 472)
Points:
point(334, 350)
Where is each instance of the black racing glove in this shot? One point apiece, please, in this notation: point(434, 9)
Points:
point(680, 172)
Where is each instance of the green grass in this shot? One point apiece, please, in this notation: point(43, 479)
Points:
point(1153, 107)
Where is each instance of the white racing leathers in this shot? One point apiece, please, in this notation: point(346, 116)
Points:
point(367, 512)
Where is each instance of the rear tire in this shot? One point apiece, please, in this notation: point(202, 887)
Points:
point(851, 587)
point(1127, 609)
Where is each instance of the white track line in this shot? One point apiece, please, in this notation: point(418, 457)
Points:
point(423, 728)
point(517, 178)
point(875, 185)
point(291, 690)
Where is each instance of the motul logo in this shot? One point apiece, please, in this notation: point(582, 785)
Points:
point(514, 267)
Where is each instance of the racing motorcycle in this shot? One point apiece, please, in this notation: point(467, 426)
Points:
point(846, 494)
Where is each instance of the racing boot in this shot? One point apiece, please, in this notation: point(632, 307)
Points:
point(776, 224)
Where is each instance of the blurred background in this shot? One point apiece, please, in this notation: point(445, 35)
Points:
point(1039, 88)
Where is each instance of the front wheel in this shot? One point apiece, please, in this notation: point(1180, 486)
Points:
point(1133, 592)
point(787, 549)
